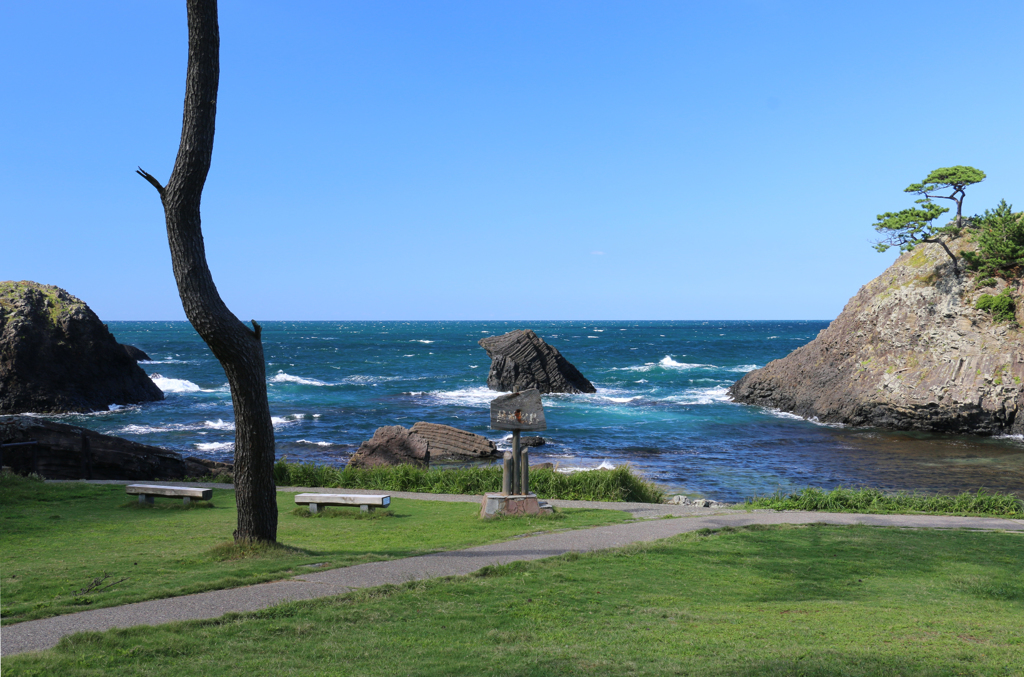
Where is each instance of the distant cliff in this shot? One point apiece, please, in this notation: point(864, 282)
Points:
point(910, 352)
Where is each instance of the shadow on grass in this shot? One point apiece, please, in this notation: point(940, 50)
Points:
point(343, 513)
point(167, 505)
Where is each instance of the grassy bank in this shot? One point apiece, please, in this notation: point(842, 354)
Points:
point(812, 600)
point(70, 547)
point(620, 484)
point(983, 503)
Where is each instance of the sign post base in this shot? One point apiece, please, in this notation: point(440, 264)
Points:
point(523, 504)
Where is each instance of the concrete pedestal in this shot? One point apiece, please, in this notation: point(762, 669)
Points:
point(523, 504)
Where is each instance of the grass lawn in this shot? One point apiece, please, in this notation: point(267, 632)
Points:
point(811, 600)
point(57, 539)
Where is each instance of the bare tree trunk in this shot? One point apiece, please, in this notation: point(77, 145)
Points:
point(238, 348)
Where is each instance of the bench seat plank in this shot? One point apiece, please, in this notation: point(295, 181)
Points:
point(175, 492)
point(374, 500)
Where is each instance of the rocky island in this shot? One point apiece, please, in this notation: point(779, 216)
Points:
point(918, 348)
point(521, 360)
point(56, 356)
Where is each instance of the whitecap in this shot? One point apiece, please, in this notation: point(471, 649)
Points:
point(420, 341)
point(668, 363)
point(319, 444)
point(593, 337)
point(408, 356)
point(744, 368)
point(174, 385)
point(711, 395)
point(468, 397)
point(623, 400)
point(219, 424)
point(214, 446)
point(605, 465)
point(114, 407)
point(282, 377)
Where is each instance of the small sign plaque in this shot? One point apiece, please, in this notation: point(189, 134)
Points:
point(518, 411)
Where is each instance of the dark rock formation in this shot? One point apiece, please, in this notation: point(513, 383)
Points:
point(201, 467)
point(391, 445)
point(543, 466)
point(520, 359)
point(910, 352)
point(532, 441)
point(57, 357)
point(135, 353)
point(446, 443)
point(65, 452)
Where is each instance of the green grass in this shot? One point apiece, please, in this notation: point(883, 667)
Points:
point(620, 484)
point(815, 600)
point(55, 539)
point(982, 503)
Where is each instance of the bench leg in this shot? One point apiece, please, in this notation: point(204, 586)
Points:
point(186, 500)
point(312, 508)
point(145, 498)
point(365, 508)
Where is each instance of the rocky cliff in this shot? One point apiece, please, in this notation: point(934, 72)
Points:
point(522, 360)
point(57, 357)
point(910, 352)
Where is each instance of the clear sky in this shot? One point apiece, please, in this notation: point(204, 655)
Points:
point(501, 160)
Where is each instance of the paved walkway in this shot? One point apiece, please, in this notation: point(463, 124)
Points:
point(45, 633)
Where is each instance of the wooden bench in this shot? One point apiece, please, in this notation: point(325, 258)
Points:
point(147, 492)
point(366, 502)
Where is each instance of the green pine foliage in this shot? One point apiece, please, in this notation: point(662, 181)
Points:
point(999, 234)
point(1001, 306)
point(620, 484)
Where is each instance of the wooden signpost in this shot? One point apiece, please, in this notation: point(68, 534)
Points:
point(516, 412)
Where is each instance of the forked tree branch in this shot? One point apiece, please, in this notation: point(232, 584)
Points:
point(152, 179)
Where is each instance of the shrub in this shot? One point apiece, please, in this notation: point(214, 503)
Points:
point(1001, 307)
point(620, 484)
point(987, 282)
point(875, 501)
point(1000, 237)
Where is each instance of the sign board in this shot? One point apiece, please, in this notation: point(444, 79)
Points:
point(518, 411)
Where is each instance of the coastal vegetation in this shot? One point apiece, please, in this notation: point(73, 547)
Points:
point(810, 600)
point(1000, 306)
point(910, 227)
point(983, 503)
point(619, 484)
point(999, 235)
point(70, 547)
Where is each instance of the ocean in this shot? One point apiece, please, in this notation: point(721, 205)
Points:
point(660, 406)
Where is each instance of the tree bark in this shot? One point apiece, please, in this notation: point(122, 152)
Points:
point(237, 347)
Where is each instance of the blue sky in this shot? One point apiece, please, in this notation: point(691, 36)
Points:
point(501, 160)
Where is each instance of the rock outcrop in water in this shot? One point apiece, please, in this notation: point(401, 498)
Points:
point(446, 443)
point(135, 353)
point(522, 360)
point(57, 357)
point(392, 445)
point(65, 452)
point(909, 352)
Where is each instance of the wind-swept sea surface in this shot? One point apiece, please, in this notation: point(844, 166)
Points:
point(660, 405)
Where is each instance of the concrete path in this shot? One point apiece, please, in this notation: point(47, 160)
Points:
point(45, 633)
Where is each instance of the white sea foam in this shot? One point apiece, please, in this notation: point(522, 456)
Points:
point(467, 397)
point(319, 444)
point(144, 429)
point(114, 407)
point(668, 363)
point(286, 420)
point(744, 368)
point(408, 356)
point(214, 446)
point(219, 424)
point(420, 341)
point(169, 360)
point(175, 385)
point(711, 395)
point(593, 337)
point(281, 377)
point(568, 469)
point(623, 400)
point(1009, 437)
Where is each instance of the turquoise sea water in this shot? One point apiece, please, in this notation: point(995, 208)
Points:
point(661, 404)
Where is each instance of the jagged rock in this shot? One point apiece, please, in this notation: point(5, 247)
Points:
point(195, 467)
point(543, 466)
point(908, 352)
point(520, 359)
point(392, 445)
point(57, 357)
point(532, 441)
point(446, 443)
point(679, 499)
point(135, 353)
point(65, 452)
